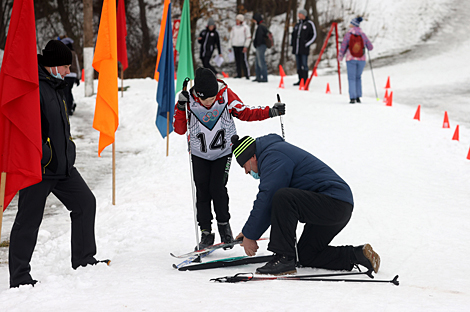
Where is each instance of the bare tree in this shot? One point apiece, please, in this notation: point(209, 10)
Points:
point(5, 12)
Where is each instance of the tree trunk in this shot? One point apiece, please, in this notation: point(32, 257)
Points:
point(145, 31)
point(285, 37)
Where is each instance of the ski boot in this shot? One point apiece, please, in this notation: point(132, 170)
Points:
point(225, 233)
point(367, 257)
point(207, 239)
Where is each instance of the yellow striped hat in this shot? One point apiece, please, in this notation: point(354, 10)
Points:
point(243, 149)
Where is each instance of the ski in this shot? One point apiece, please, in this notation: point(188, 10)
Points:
point(209, 248)
point(245, 277)
point(226, 262)
point(192, 259)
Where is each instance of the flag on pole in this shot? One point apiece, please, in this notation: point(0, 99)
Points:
point(20, 113)
point(183, 46)
point(106, 118)
point(121, 35)
point(161, 36)
point(166, 71)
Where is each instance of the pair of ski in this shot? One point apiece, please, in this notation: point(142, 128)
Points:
point(196, 256)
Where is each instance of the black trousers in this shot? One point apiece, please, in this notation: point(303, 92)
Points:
point(206, 63)
point(74, 193)
point(241, 62)
point(211, 179)
point(324, 218)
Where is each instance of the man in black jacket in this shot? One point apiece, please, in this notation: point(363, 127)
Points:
point(259, 42)
point(209, 40)
point(303, 36)
point(59, 176)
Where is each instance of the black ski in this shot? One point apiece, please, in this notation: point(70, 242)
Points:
point(227, 262)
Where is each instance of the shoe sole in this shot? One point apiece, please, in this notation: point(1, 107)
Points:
point(372, 256)
point(279, 274)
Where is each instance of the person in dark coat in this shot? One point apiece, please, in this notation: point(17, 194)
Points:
point(259, 42)
point(209, 40)
point(59, 176)
point(303, 36)
point(296, 186)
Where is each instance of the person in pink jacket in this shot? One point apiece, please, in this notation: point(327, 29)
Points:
point(353, 47)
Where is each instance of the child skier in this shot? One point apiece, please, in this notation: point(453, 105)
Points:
point(211, 106)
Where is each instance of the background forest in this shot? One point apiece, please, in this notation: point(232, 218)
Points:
point(65, 17)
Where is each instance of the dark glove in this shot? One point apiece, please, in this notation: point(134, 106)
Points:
point(277, 110)
point(183, 98)
point(77, 82)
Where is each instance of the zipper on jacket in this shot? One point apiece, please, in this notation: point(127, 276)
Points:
point(66, 113)
point(50, 159)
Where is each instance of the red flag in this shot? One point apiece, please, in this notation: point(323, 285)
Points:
point(20, 113)
point(121, 35)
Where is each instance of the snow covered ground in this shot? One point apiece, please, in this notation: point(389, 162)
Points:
point(409, 181)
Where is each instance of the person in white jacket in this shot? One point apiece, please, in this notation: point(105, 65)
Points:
point(240, 39)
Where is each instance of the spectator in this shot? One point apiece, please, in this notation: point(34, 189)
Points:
point(259, 43)
point(209, 39)
point(355, 60)
point(303, 36)
point(240, 39)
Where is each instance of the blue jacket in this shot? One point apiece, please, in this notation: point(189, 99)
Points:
point(282, 165)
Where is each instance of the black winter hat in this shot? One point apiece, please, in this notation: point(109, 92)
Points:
point(205, 83)
point(243, 149)
point(257, 17)
point(56, 54)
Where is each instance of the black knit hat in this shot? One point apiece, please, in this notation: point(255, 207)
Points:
point(205, 83)
point(243, 149)
point(56, 54)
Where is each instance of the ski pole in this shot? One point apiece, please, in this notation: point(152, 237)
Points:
point(245, 277)
point(280, 116)
point(185, 86)
point(372, 71)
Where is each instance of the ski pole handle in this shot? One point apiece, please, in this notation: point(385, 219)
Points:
point(185, 83)
point(280, 116)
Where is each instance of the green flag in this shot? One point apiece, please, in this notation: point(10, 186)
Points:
point(183, 46)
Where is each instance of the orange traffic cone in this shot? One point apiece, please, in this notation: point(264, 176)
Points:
point(456, 134)
point(281, 71)
point(281, 83)
point(468, 156)
point(386, 96)
point(417, 113)
point(225, 75)
point(328, 88)
point(315, 73)
point(83, 75)
point(390, 99)
point(301, 86)
point(446, 121)
point(387, 85)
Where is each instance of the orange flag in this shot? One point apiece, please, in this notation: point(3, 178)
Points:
point(20, 113)
point(106, 118)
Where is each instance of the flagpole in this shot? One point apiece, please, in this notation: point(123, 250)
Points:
point(122, 81)
point(114, 174)
point(167, 132)
point(3, 180)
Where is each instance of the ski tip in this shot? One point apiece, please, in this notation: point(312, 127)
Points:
point(174, 266)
